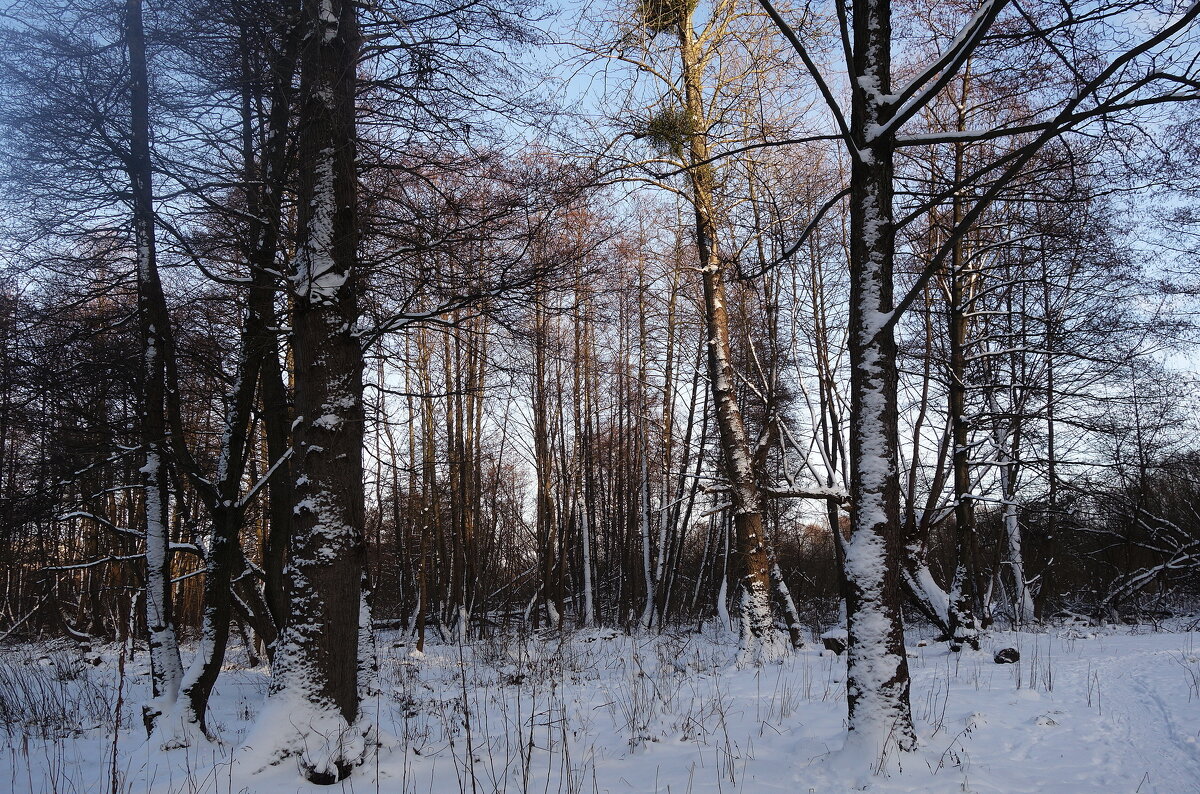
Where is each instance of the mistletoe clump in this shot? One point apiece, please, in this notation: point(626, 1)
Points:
point(665, 16)
point(669, 130)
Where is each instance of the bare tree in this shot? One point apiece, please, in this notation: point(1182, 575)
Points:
point(1133, 74)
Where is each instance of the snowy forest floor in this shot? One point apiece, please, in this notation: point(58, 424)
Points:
point(1112, 708)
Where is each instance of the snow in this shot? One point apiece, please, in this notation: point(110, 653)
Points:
point(329, 20)
point(295, 728)
point(317, 276)
point(328, 422)
point(1111, 708)
point(938, 598)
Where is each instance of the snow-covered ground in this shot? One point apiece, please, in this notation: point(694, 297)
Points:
point(1087, 709)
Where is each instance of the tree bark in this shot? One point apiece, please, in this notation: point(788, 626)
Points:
point(258, 347)
point(166, 669)
point(964, 623)
point(878, 679)
point(759, 640)
point(314, 694)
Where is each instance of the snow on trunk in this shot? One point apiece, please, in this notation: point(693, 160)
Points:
point(880, 718)
point(589, 608)
point(313, 708)
point(760, 642)
point(794, 624)
point(368, 649)
point(647, 619)
point(924, 587)
point(166, 668)
point(877, 682)
point(723, 618)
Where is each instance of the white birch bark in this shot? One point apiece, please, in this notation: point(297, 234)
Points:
point(1022, 598)
point(589, 609)
point(647, 619)
point(166, 667)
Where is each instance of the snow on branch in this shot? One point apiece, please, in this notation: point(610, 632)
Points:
point(262, 481)
point(102, 521)
point(925, 86)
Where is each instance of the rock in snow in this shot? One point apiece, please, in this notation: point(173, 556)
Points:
point(1007, 656)
point(835, 641)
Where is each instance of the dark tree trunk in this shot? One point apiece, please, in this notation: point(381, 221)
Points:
point(225, 504)
point(878, 680)
point(964, 626)
point(317, 657)
point(166, 669)
point(273, 175)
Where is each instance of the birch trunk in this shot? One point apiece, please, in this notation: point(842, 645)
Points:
point(1005, 445)
point(1023, 608)
point(964, 624)
point(582, 417)
point(647, 618)
point(166, 669)
point(759, 642)
point(547, 513)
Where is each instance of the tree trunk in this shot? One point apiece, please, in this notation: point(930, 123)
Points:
point(166, 669)
point(964, 625)
point(878, 680)
point(759, 640)
point(277, 416)
point(582, 385)
point(314, 695)
point(226, 510)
